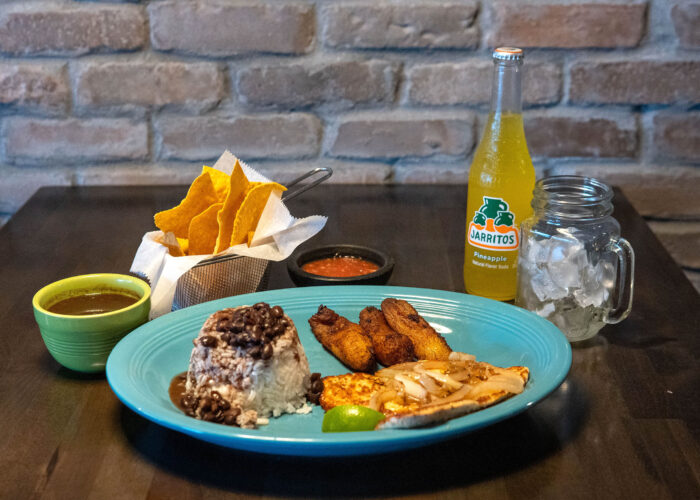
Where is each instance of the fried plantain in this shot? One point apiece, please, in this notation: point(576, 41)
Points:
point(390, 347)
point(345, 339)
point(403, 318)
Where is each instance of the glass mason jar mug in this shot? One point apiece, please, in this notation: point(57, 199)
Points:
point(572, 262)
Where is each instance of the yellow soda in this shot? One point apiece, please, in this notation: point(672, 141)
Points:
point(501, 181)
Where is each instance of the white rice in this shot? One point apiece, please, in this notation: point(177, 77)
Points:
point(259, 387)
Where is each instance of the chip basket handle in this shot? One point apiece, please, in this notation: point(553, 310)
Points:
point(293, 193)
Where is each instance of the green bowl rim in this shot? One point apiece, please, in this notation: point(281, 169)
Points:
point(138, 281)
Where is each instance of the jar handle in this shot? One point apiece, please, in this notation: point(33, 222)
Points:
point(625, 257)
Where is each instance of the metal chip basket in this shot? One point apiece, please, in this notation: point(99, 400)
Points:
point(227, 275)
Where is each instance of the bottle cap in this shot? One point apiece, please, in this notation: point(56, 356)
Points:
point(508, 54)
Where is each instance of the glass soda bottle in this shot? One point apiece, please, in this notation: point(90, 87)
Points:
point(501, 181)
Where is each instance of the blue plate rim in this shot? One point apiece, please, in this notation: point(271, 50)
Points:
point(335, 444)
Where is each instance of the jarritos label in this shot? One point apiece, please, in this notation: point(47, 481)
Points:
point(492, 226)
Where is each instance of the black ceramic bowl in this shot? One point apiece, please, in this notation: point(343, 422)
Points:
point(302, 278)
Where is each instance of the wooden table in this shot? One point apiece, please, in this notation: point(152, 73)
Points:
point(624, 424)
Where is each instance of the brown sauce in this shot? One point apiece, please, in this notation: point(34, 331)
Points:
point(92, 303)
point(177, 390)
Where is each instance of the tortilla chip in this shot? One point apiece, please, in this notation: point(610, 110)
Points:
point(220, 180)
point(169, 241)
point(184, 244)
point(203, 230)
point(238, 186)
point(251, 210)
point(201, 195)
point(251, 234)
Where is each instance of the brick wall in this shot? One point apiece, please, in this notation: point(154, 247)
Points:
point(134, 92)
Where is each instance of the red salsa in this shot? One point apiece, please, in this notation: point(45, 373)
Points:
point(340, 267)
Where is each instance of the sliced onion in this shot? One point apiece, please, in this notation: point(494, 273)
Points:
point(516, 377)
point(387, 372)
point(461, 376)
point(402, 366)
point(442, 378)
point(429, 383)
point(461, 356)
point(413, 389)
point(495, 384)
point(461, 394)
point(434, 364)
point(379, 398)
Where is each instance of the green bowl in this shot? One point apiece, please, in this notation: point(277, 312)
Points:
point(83, 343)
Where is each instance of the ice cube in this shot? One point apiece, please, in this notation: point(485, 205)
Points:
point(546, 309)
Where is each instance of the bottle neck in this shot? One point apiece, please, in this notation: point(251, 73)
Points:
point(572, 197)
point(506, 92)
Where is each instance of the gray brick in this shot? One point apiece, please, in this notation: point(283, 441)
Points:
point(635, 82)
point(257, 136)
point(125, 85)
point(70, 29)
point(74, 140)
point(581, 135)
point(29, 87)
point(686, 21)
point(470, 82)
point(445, 25)
point(677, 136)
point(219, 29)
point(341, 85)
point(566, 25)
point(395, 136)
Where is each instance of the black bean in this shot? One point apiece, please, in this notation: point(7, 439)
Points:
point(224, 405)
point(278, 329)
point(188, 401)
point(267, 351)
point(317, 386)
point(226, 337)
point(277, 312)
point(208, 341)
point(230, 415)
point(216, 395)
point(205, 403)
point(238, 325)
point(315, 376)
point(255, 352)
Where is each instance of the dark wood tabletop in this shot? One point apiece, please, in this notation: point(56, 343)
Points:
point(624, 424)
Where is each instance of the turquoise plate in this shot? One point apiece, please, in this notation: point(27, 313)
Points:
point(142, 364)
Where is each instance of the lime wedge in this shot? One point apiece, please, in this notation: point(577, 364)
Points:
point(351, 418)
